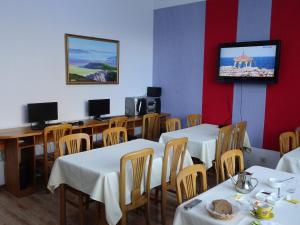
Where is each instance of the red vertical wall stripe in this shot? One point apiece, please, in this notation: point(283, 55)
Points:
point(221, 26)
point(283, 99)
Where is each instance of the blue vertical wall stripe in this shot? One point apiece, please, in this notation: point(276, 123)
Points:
point(254, 18)
point(178, 57)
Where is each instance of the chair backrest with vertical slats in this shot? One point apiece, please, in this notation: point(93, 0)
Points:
point(297, 131)
point(224, 143)
point(193, 120)
point(120, 121)
point(53, 134)
point(186, 182)
point(174, 155)
point(151, 126)
point(173, 124)
point(228, 163)
point(141, 162)
point(114, 135)
point(72, 143)
point(239, 135)
point(287, 142)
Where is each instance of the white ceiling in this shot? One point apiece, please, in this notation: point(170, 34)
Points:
point(167, 3)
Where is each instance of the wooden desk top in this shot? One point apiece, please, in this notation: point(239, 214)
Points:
point(20, 132)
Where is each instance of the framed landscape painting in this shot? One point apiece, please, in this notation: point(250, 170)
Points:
point(91, 60)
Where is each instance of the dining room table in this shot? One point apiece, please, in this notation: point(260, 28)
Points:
point(96, 173)
point(286, 208)
point(290, 161)
point(201, 141)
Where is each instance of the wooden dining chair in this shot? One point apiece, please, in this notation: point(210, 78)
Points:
point(114, 135)
point(193, 120)
point(239, 132)
point(224, 143)
point(71, 144)
point(297, 131)
point(141, 162)
point(120, 121)
point(228, 163)
point(151, 126)
point(287, 142)
point(51, 137)
point(173, 124)
point(173, 159)
point(186, 182)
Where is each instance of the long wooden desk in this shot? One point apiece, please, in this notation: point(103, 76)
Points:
point(19, 145)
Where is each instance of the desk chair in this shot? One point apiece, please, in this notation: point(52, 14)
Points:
point(193, 120)
point(173, 124)
point(228, 163)
point(186, 181)
point(151, 127)
point(114, 135)
point(52, 135)
point(140, 169)
point(287, 142)
point(120, 121)
point(72, 144)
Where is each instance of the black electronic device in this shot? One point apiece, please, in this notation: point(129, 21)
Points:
point(40, 113)
point(153, 91)
point(98, 107)
point(256, 61)
point(192, 204)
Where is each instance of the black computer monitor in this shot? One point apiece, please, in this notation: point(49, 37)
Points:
point(42, 112)
point(99, 107)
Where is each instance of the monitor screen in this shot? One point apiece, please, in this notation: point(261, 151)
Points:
point(249, 61)
point(38, 112)
point(98, 107)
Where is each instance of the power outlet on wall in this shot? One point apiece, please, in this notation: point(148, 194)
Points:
point(263, 160)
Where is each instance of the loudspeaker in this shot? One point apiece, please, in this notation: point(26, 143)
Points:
point(154, 91)
point(157, 105)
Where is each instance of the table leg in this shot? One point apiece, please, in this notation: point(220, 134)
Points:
point(101, 214)
point(62, 204)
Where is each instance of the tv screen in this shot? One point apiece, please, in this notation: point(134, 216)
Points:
point(40, 112)
point(98, 107)
point(249, 61)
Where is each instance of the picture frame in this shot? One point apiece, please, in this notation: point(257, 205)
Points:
point(91, 60)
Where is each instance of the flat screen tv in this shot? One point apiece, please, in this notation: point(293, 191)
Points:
point(41, 112)
point(98, 107)
point(256, 61)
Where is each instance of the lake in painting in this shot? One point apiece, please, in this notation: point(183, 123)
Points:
point(91, 60)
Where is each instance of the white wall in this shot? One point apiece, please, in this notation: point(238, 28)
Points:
point(33, 59)
point(168, 3)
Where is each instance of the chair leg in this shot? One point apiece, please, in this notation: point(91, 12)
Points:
point(81, 210)
point(124, 218)
point(163, 206)
point(147, 211)
point(156, 195)
point(217, 174)
point(45, 174)
point(87, 205)
point(62, 205)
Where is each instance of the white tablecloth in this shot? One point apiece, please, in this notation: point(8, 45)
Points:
point(96, 173)
point(285, 212)
point(290, 162)
point(201, 141)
